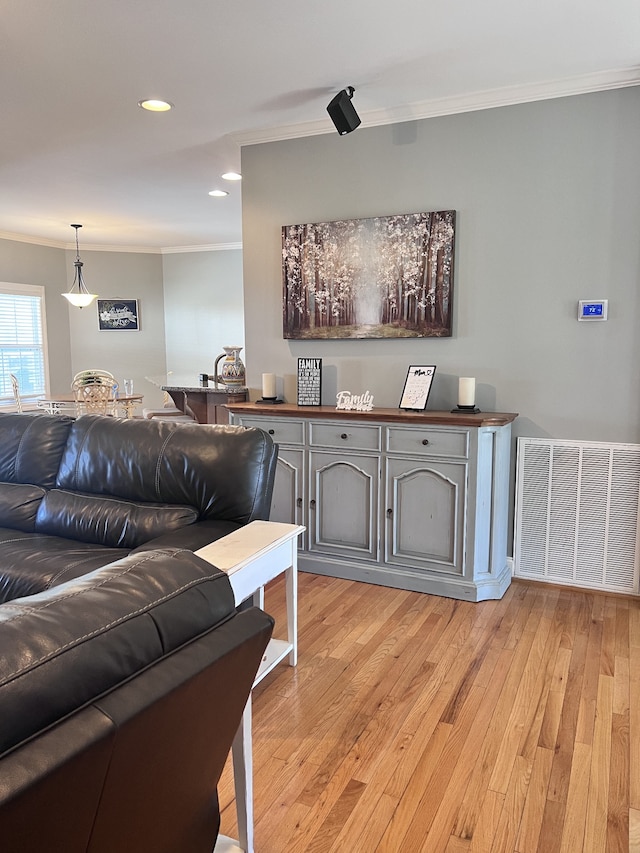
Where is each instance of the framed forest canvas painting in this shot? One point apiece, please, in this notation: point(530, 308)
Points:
point(384, 277)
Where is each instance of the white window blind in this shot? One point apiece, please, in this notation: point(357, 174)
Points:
point(22, 340)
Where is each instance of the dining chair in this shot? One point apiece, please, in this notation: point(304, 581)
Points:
point(94, 394)
point(94, 373)
point(15, 387)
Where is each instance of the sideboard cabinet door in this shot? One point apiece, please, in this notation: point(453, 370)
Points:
point(289, 488)
point(425, 515)
point(343, 506)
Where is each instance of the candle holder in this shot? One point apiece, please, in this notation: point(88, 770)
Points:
point(465, 410)
point(269, 401)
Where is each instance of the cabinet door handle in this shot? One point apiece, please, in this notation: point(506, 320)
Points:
point(344, 435)
point(272, 432)
point(389, 513)
point(312, 504)
point(299, 502)
point(425, 441)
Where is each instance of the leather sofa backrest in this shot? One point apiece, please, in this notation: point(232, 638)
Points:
point(120, 694)
point(64, 647)
point(31, 447)
point(225, 472)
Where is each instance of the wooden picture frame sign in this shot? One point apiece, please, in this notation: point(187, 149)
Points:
point(417, 387)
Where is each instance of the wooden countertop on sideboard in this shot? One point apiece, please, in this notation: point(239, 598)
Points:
point(289, 410)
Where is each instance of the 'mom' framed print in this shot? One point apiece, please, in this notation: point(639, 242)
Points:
point(118, 315)
point(385, 277)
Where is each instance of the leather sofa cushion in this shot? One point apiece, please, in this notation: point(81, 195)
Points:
point(32, 447)
point(62, 648)
point(32, 562)
point(19, 505)
point(109, 521)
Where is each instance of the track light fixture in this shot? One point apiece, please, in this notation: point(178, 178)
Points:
point(343, 113)
point(78, 294)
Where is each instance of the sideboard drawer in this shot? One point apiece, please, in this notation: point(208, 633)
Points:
point(282, 431)
point(428, 442)
point(348, 436)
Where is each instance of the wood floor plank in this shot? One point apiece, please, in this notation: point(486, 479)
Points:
point(634, 714)
point(366, 824)
point(634, 831)
point(565, 742)
point(488, 820)
point(576, 806)
point(508, 826)
point(555, 700)
point(405, 709)
point(587, 709)
point(598, 797)
point(618, 810)
point(413, 791)
point(531, 822)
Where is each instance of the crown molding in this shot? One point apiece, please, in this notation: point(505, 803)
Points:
point(36, 241)
point(94, 247)
point(214, 247)
point(484, 100)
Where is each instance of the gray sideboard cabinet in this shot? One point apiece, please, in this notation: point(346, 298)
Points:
point(412, 500)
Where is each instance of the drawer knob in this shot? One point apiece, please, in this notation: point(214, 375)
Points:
point(312, 504)
point(272, 432)
point(389, 513)
point(344, 435)
point(299, 502)
point(425, 441)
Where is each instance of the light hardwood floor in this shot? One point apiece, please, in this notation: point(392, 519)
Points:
point(416, 723)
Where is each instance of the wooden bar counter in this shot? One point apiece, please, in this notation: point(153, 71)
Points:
point(204, 403)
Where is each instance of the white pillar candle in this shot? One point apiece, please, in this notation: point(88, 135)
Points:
point(268, 385)
point(466, 391)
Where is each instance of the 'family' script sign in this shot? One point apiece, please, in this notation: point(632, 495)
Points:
point(349, 402)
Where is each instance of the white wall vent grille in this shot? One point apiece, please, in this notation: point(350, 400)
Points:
point(577, 513)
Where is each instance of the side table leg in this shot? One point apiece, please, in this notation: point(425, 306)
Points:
point(291, 580)
point(241, 751)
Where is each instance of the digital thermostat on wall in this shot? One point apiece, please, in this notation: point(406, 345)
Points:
point(592, 309)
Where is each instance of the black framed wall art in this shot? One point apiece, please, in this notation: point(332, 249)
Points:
point(118, 315)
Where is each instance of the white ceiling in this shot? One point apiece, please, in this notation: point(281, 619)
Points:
point(75, 147)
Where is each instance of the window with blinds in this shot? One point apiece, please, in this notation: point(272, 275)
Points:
point(22, 340)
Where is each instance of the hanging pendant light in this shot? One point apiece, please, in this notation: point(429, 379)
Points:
point(78, 294)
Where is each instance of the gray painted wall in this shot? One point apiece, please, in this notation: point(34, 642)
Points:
point(548, 202)
point(23, 263)
point(127, 354)
point(204, 308)
point(190, 306)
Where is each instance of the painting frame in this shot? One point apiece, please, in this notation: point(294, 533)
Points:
point(417, 387)
point(379, 277)
point(118, 315)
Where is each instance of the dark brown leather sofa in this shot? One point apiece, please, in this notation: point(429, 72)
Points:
point(120, 693)
point(76, 495)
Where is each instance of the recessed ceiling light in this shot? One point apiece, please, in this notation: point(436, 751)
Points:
point(154, 105)
point(218, 193)
point(232, 176)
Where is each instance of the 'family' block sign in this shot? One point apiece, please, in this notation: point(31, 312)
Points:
point(309, 381)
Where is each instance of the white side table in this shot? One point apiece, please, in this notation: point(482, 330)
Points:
point(252, 556)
